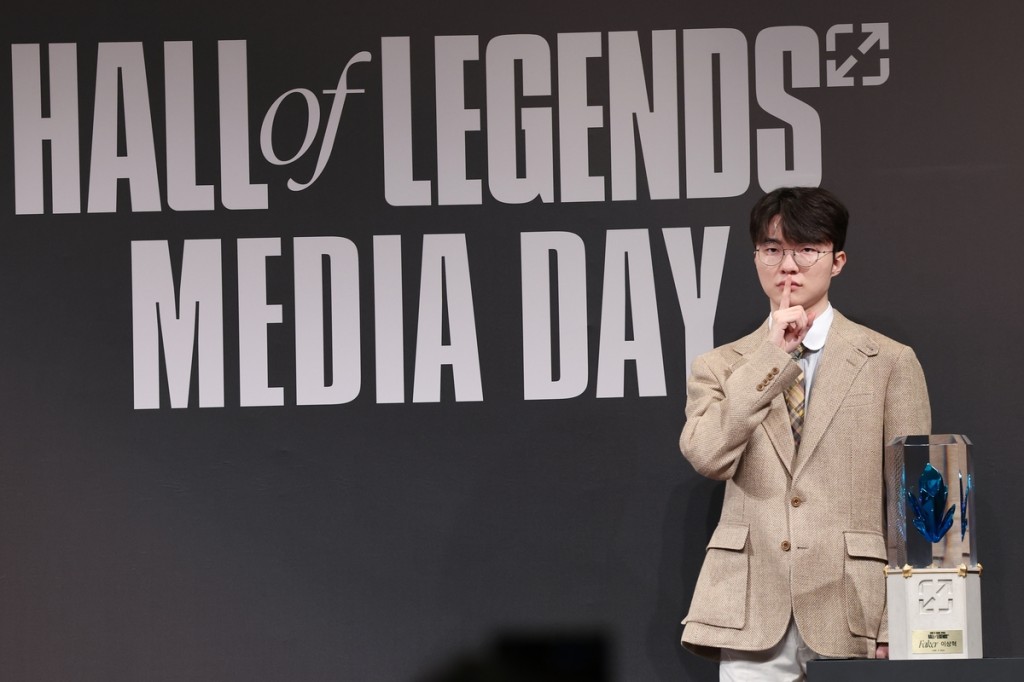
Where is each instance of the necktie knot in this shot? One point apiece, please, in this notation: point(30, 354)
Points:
point(799, 352)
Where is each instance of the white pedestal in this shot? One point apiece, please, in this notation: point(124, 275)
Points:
point(934, 613)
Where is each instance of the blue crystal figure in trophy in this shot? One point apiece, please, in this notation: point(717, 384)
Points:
point(929, 503)
point(919, 473)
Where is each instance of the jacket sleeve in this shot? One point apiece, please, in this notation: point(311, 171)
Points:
point(725, 404)
point(907, 410)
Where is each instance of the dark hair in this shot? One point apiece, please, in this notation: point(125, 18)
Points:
point(810, 215)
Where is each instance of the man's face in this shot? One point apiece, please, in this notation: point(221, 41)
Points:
point(808, 284)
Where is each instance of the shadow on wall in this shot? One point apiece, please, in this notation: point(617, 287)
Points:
point(585, 655)
point(691, 516)
point(531, 657)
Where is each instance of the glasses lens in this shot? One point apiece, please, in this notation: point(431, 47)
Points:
point(805, 259)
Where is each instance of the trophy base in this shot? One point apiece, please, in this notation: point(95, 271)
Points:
point(934, 613)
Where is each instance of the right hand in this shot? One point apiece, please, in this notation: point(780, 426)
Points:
point(790, 323)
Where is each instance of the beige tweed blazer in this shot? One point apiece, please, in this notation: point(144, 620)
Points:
point(801, 533)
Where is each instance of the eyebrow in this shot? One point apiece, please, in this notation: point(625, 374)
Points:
point(770, 241)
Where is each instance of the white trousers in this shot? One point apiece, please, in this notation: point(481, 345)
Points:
point(785, 662)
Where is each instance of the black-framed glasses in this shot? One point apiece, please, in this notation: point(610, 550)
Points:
point(805, 256)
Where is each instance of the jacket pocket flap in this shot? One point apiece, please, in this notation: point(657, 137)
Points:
point(729, 536)
point(865, 544)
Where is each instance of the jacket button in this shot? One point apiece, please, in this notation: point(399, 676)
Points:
point(795, 501)
point(785, 545)
point(760, 387)
point(775, 370)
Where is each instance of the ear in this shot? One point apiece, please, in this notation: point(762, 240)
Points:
point(838, 261)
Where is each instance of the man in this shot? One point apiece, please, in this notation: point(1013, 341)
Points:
point(794, 418)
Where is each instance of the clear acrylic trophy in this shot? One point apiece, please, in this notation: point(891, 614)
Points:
point(933, 579)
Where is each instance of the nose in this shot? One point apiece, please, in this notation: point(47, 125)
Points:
point(788, 263)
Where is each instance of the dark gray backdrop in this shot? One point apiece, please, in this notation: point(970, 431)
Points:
point(382, 542)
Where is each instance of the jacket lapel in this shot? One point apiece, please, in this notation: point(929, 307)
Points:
point(776, 424)
point(845, 352)
point(780, 432)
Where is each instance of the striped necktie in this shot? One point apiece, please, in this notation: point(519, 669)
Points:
point(795, 399)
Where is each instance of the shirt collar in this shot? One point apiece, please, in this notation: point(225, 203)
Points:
point(818, 332)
